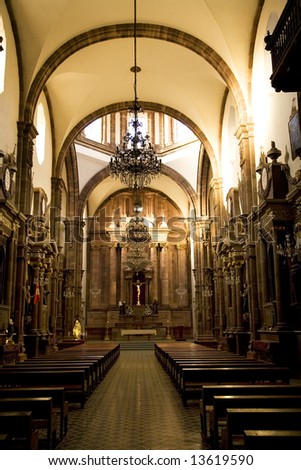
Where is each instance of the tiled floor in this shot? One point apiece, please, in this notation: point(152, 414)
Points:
point(135, 407)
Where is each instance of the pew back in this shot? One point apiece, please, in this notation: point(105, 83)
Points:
point(238, 420)
point(17, 431)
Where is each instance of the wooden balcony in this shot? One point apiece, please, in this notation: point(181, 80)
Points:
point(285, 46)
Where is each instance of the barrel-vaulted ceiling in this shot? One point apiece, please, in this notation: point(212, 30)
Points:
point(191, 54)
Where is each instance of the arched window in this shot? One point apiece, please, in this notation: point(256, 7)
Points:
point(41, 128)
point(2, 55)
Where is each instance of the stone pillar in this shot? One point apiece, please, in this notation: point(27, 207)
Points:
point(118, 273)
point(197, 280)
point(26, 135)
point(113, 272)
point(248, 183)
point(154, 293)
point(262, 280)
point(181, 272)
point(123, 124)
point(238, 289)
point(35, 308)
point(59, 319)
point(252, 292)
point(73, 270)
point(227, 289)
point(220, 304)
point(164, 275)
point(55, 211)
point(40, 320)
point(233, 299)
point(123, 256)
point(281, 323)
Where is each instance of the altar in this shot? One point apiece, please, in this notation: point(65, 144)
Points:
point(139, 332)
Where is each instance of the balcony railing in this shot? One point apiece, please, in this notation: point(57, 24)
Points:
point(284, 44)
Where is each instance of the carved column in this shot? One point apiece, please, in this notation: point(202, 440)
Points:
point(248, 184)
point(281, 323)
point(56, 227)
point(113, 272)
point(262, 281)
point(164, 275)
point(26, 135)
point(238, 289)
point(252, 275)
point(154, 293)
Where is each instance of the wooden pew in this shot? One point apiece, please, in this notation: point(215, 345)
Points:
point(94, 364)
point(209, 391)
point(222, 403)
point(193, 379)
point(209, 363)
point(59, 403)
point(42, 414)
point(17, 431)
point(73, 381)
point(44, 366)
point(238, 420)
point(272, 440)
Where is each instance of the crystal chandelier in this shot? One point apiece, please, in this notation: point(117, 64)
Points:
point(135, 162)
point(288, 248)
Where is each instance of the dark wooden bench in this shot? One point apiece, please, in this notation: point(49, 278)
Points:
point(209, 363)
point(93, 363)
point(17, 431)
point(43, 416)
point(44, 366)
point(272, 440)
point(193, 379)
point(209, 391)
point(238, 420)
point(105, 359)
point(59, 403)
point(222, 403)
point(73, 381)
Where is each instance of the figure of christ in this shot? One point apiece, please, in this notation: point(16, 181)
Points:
point(138, 285)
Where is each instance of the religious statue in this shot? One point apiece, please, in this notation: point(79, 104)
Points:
point(122, 307)
point(138, 285)
point(77, 329)
point(245, 304)
point(155, 306)
point(10, 331)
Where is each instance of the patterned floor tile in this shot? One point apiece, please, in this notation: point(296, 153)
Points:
point(135, 407)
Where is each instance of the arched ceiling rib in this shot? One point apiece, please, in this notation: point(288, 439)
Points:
point(190, 54)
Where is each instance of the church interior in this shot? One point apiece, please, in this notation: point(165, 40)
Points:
point(150, 204)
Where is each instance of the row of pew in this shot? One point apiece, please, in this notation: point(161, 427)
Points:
point(36, 395)
point(244, 403)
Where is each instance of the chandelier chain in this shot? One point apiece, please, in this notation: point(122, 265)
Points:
point(135, 162)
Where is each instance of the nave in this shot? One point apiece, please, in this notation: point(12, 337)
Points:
point(135, 407)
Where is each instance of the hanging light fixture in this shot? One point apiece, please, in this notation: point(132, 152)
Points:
point(138, 239)
point(135, 162)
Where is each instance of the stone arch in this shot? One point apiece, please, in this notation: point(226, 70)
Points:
point(148, 106)
point(105, 173)
point(151, 31)
point(111, 32)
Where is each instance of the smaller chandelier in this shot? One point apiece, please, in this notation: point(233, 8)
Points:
point(288, 248)
point(137, 231)
point(135, 162)
point(138, 238)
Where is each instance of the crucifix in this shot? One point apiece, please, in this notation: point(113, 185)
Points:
point(138, 285)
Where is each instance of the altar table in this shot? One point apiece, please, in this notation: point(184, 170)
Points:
point(139, 332)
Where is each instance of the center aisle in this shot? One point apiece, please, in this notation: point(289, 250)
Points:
point(135, 407)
